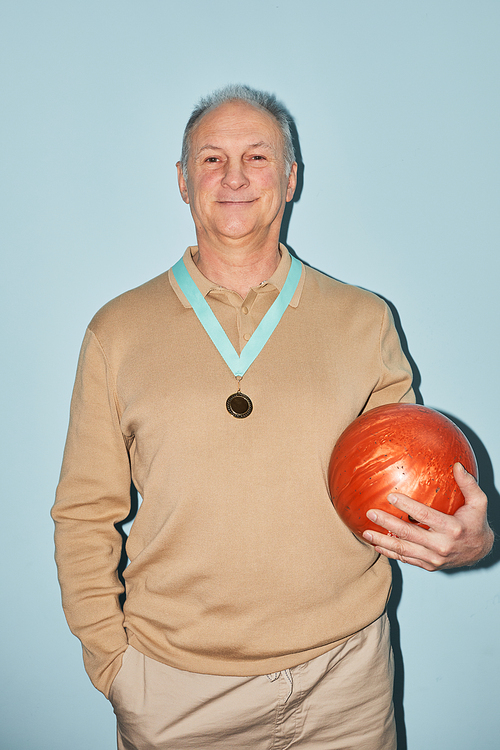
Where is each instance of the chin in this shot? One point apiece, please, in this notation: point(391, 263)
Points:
point(234, 232)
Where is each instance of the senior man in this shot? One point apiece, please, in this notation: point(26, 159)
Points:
point(253, 618)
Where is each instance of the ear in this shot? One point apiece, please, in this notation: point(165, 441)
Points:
point(292, 182)
point(182, 183)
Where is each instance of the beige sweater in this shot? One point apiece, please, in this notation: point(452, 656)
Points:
point(239, 564)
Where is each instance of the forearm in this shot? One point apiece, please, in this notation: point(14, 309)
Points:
point(93, 496)
point(87, 557)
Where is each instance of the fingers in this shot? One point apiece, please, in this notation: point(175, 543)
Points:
point(412, 547)
point(418, 512)
point(442, 541)
point(408, 543)
point(406, 556)
point(436, 540)
point(427, 547)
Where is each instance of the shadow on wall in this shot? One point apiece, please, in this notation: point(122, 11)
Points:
point(134, 507)
point(399, 668)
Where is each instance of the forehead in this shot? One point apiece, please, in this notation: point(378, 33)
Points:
point(236, 123)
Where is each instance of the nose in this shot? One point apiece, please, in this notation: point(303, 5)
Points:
point(234, 175)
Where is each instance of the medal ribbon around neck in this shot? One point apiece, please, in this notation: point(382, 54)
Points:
point(238, 364)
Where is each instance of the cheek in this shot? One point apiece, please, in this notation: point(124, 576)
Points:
point(271, 184)
point(199, 192)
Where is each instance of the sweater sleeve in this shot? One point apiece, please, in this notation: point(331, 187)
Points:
point(395, 379)
point(92, 496)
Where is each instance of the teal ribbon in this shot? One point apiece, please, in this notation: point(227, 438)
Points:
point(238, 364)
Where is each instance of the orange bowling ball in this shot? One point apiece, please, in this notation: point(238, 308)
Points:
point(402, 448)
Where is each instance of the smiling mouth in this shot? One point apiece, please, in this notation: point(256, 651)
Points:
point(237, 203)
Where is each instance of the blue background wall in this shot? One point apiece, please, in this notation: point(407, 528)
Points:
point(397, 108)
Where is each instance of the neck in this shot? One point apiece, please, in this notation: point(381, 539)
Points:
point(238, 271)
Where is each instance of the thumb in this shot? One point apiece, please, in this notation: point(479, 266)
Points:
point(470, 489)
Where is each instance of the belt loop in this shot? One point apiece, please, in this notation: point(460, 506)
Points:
point(287, 675)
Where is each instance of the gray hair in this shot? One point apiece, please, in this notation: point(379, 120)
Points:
point(238, 93)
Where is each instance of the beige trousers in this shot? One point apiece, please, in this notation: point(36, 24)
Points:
point(341, 700)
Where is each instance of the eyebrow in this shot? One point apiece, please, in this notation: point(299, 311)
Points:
point(210, 147)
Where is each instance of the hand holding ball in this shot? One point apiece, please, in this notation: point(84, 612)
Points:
point(397, 448)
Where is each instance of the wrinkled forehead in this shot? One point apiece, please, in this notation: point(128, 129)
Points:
point(236, 123)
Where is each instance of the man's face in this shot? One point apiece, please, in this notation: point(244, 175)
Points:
point(236, 185)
